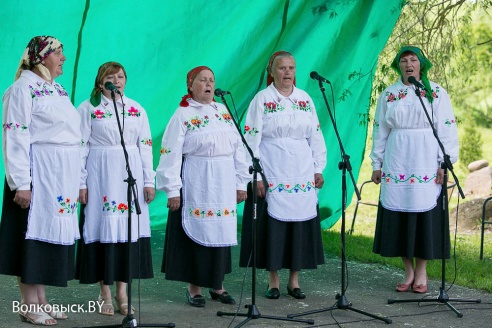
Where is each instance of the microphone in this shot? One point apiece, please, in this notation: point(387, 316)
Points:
point(111, 87)
point(315, 76)
point(220, 93)
point(414, 81)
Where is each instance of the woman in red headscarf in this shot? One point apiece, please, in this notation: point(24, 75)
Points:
point(41, 152)
point(283, 131)
point(204, 173)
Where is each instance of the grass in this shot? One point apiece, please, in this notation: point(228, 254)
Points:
point(465, 265)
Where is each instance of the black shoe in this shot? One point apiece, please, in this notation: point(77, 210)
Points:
point(296, 293)
point(225, 297)
point(272, 293)
point(197, 300)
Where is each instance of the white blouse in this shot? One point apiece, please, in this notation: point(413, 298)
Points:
point(405, 149)
point(202, 155)
point(34, 112)
point(285, 134)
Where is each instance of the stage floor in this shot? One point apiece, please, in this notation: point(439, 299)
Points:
point(158, 301)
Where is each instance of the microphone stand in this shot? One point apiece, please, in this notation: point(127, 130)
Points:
point(342, 303)
point(446, 165)
point(253, 312)
point(129, 321)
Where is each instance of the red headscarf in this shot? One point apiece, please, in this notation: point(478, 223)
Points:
point(270, 64)
point(190, 77)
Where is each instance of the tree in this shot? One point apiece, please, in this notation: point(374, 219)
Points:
point(456, 36)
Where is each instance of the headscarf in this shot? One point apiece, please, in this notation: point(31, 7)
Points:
point(425, 65)
point(270, 64)
point(37, 50)
point(190, 77)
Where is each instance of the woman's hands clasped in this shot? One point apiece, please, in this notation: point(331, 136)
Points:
point(319, 181)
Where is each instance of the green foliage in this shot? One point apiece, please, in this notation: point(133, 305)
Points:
point(456, 36)
point(465, 269)
point(471, 145)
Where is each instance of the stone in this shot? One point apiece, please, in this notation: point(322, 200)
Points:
point(477, 165)
point(478, 183)
point(470, 216)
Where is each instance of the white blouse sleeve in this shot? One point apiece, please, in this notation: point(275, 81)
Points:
point(446, 127)
point(242, 167)
point(380, 134)
point(317, 142)
point(145, 147)
point(86, 130)
point(168, 173)
point(253, 128)
point(17, 108)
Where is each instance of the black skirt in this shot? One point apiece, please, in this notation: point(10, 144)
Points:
point(185, 260)
point(410, 234)
point(280, 244)
point(35, 262)
point(108, 262)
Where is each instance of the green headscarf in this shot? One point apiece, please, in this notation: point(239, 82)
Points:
point(425, 65)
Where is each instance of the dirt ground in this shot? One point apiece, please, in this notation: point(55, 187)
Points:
point(160, 302)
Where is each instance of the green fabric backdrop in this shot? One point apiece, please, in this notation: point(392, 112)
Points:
point(159, 41)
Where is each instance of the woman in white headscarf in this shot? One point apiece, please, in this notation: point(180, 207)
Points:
point(41, 153)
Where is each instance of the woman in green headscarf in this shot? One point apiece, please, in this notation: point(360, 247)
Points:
point(406, 160)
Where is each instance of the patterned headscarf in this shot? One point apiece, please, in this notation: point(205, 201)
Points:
point(37, 50)
point(425, 65)
point(270, 64)
point(190, 77)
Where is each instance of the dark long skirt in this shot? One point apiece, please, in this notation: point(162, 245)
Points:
point(409, 234)
point(109, 261)
point(280, 245)
point(36, 262)
point(185, 260)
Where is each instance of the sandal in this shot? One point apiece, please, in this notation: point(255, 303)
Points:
point(57, 315)
point(105, 307)
point(122, 305)
point(41, 318)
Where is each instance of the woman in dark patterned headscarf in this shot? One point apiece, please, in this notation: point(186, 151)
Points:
point(41, 153)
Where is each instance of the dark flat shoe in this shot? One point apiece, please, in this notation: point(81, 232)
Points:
point(196, 301)
point(297, 293)
point(225, 297)
point(272, 293)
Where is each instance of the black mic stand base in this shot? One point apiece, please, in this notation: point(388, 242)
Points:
point(254, 313)
point(342, 304)
point(130, 322)
point(443, 298)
